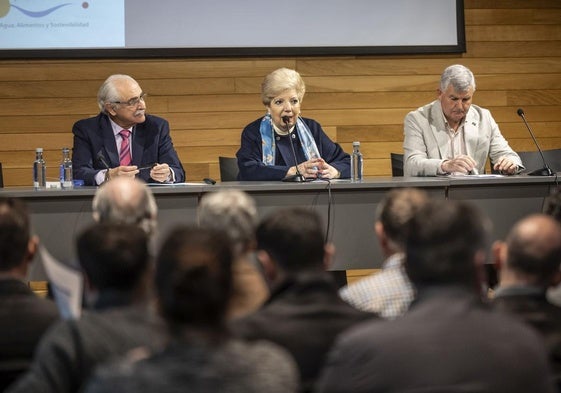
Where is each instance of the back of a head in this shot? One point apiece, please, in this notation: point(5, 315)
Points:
point(397, 210)
point(113, 256)
point(293, 238)
point(552, 206)
point(14, 232)
point(194, 278)
point(534, 248)
point(125, 200)
point(233, 211)
point(444, 240)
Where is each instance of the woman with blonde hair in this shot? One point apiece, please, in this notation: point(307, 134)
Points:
point(266, 152)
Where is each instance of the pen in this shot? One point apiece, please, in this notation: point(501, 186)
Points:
point(149, 166)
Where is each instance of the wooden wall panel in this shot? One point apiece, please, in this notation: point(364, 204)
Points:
point(513, 47)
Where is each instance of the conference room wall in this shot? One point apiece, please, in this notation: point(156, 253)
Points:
point(513, 47)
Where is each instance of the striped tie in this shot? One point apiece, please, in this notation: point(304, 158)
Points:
point(125, 158)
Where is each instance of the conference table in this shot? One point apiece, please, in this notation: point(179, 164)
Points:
point(348, 209)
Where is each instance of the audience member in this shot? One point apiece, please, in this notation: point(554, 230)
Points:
point(193, 285)
point(304, 313)
point(24, 317)
point(115, 261)
point(452, 136)
point(235, 212)
point(122, 140)
point(389, 292)
point(552, 206)
point(266, 152)
point(126, 200)
point(448, 341)
point(528, 264)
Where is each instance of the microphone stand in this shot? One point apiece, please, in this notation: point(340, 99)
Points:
point(546, 170)
point(296, 178)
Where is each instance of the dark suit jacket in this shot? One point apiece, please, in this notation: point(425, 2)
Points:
point(447, 342)
point(304, 314)
point(532, 307)
point(151, 143)
point(250, 154)
point(69, 352)
point(24, 318)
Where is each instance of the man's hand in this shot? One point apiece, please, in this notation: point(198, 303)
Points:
point(128, 171)
point(462, 164)
point(506, 166)
point(160, 172)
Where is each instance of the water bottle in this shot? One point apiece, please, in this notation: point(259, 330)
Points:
point(356, 163)
point(39, 169)
point(66, 169)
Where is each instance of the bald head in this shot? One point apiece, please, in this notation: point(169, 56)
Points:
point(125, 200)
point(534, 248)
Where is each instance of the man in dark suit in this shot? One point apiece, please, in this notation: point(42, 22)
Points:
point(528, 264)
point(24, 317)
point(447, 341)
point(304, 313)
point(123, 140)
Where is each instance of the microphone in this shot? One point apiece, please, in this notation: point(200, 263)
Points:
point(546, 170)
point(297, 178)
point(101, 159)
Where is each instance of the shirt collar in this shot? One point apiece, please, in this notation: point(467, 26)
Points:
point(519, 290)
point(117, 128)
point(281, 131)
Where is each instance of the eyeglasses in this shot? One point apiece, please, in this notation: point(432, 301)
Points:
point(133, 101)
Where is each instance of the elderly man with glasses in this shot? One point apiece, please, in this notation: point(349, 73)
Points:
point(122, 140)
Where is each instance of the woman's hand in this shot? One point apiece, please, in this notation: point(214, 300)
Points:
point(326, 171)
point(315, 168)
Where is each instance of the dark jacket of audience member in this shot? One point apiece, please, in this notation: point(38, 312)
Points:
point(528, 264)
point(193, 285)
point(304, 313)
point(115, 261)
point(24, 317)
point(448, 341)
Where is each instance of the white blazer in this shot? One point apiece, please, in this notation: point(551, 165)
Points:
point(426, 140)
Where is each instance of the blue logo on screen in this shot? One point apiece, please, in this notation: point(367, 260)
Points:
point(5, 6)
point(39, 14)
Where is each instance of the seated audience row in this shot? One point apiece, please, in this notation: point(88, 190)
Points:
point(448, 341)
point(203, 318)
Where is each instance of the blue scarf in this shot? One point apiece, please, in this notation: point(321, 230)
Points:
point(268, 140)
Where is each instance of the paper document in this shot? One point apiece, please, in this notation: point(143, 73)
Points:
point(175, 184)
point(66, 283)
point(477, 176)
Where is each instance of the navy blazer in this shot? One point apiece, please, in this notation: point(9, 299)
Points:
point(250, 154)
point(151, 143)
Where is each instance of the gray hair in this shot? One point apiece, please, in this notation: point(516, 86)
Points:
point(126, 201)
point(280, 80)
point(232, 211)
point(459, 76)
point(108, 93)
